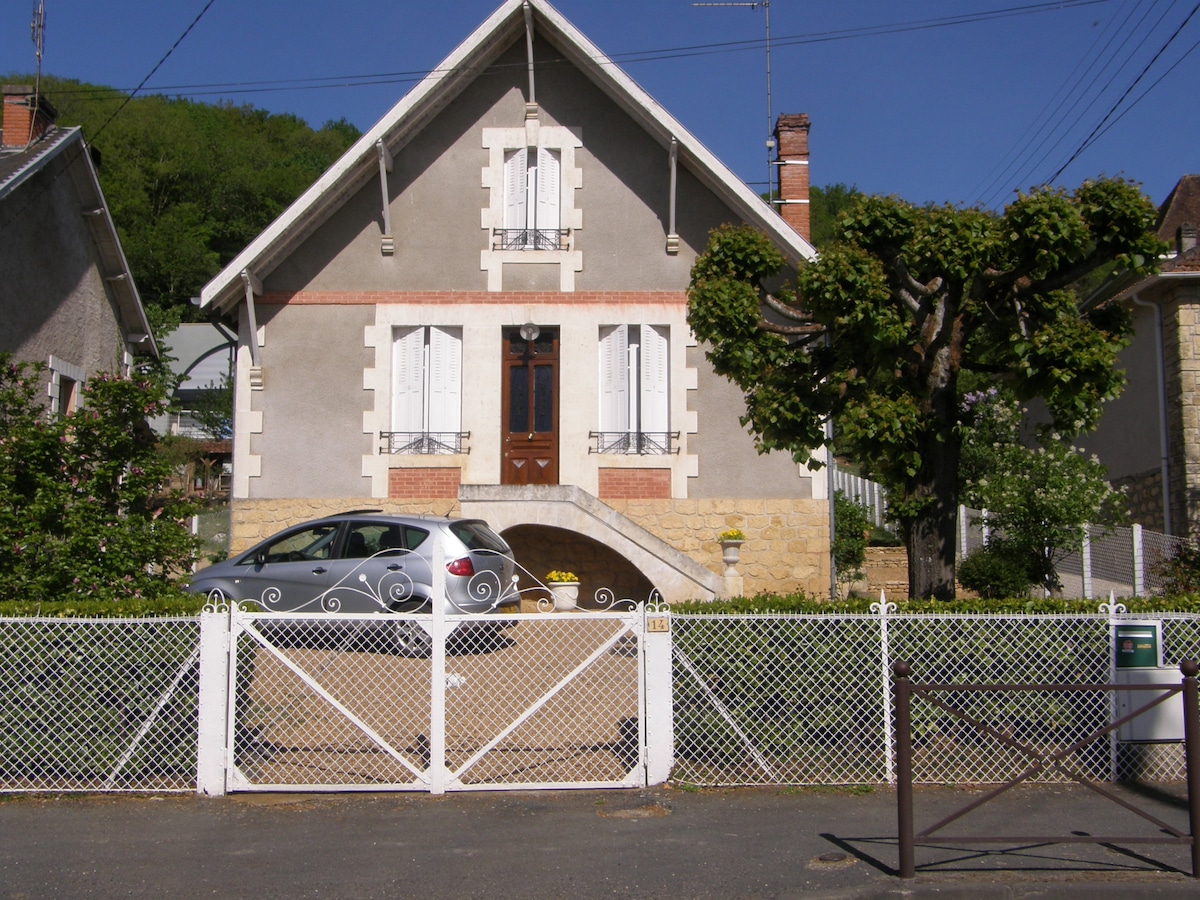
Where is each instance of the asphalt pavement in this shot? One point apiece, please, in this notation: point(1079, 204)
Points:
point(662, 842)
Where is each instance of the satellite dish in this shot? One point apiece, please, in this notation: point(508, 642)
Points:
point(530, 332)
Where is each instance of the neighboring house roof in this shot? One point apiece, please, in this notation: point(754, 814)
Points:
point(409, 116)
point(1182, 207)
point(19, 166)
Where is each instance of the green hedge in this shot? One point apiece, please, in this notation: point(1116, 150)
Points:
point(133, 608)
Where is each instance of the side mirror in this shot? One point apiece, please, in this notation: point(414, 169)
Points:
point(260, 557)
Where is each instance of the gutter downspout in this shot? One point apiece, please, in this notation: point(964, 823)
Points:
point(1164, 457)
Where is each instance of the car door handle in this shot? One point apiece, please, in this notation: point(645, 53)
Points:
point(319, 570)
point(395, 567)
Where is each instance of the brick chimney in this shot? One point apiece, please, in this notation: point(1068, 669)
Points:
point(19, 110)
point(791, 142)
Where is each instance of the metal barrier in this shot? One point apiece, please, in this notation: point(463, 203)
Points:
point(1039, 757)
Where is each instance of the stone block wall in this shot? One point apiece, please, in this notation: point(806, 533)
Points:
point(1143, 497)
point(786, 548)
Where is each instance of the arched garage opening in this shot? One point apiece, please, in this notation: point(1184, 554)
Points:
point(543, 548)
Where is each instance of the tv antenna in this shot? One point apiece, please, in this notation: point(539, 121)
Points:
point(766, 5)
point(37, 29)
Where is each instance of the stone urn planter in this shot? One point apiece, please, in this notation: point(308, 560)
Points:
point(731, 552)
point(564, 588)
point(566, 594)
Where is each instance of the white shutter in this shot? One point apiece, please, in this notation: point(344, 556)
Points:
point(656, 410)
point(516, 188)
point(408, 380)
point(547, 190)
point(445, 379)
point(614, 378)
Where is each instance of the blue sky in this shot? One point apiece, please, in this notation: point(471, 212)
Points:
point(965, 113)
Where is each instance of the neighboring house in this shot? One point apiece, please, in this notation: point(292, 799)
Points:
point(480, 310)
point(67, 297)
point(1149, 438)
point(201, 356)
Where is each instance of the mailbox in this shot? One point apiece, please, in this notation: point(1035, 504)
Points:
point(1137, 645)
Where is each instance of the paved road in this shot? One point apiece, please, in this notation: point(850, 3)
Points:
point(579, 844)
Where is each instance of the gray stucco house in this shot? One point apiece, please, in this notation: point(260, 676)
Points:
point(480, 310)
point(1149, 437)
point(67, 298)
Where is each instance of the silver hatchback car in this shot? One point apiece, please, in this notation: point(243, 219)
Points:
point(366, 561)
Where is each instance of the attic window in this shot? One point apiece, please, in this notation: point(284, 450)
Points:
point(532, 201)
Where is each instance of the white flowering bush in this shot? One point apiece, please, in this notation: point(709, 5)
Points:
point(1040, 492)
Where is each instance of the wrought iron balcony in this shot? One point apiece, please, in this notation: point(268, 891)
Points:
point(641, 443)
point(423, 442)
point(530, 238)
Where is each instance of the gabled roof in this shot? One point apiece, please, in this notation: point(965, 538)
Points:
point(18, 167)
point(1182, 207)
point(406, 119)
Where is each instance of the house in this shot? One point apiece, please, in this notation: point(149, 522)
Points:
point(479, 310)
point(68, 298)
point(1149, 438)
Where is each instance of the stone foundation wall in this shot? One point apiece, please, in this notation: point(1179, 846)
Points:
point(786, 548)
point(787, 541)
point(1143, 495)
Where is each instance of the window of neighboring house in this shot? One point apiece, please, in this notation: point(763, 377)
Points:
point(65, 382)
point(532, 199)
point(635, 414)
point(427, 390)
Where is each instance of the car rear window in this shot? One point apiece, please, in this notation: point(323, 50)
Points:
point(477, 536)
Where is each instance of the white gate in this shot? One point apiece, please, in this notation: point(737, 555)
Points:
point(337, 702)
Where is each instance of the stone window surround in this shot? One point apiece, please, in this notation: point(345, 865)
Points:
point(496, 141)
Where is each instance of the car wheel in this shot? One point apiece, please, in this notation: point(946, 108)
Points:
point(410, 639)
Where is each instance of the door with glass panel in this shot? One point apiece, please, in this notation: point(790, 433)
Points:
point(529, 440)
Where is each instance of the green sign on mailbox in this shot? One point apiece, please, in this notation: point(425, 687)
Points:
point(1138, 645)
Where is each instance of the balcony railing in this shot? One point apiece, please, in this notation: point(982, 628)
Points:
point(423, 442)
point(641, 443)
point(530, 238)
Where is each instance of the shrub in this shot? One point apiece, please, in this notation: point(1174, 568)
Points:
point(1180, 571)
point(996, 571)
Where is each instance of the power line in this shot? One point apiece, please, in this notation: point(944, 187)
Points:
point(628, 57)
point(1088, 140)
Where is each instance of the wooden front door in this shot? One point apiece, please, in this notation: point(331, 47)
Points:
point(530, 415)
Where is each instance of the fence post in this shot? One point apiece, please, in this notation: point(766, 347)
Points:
point(904, 810)
point(656, 638)
point(1191, 751)
point(1139, 577)
point(213, 702)
point(883, 608)
point(437, 669)
point(1086, 566)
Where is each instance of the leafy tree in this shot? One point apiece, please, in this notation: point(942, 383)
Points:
point(825, 205)
point(1039, 499)
point(83, 510)
point(190, 184)
point(876, 332)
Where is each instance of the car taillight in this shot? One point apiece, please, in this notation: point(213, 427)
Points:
point(461, 566)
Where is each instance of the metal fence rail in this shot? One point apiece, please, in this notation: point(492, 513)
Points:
point(806, 699)
point(98, 704)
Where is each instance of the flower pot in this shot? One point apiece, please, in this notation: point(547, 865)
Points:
point(731, 552)
point(566, 594)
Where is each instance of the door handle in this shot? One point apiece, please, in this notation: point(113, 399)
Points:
point(530, 438)
point(319, 570)
point(395, 567)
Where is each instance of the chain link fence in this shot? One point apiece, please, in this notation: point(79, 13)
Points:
point(111, 704)
point(1118, 561)
point(98, 704)
point(807, 699)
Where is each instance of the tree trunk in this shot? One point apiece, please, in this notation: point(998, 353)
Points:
point(930, 536)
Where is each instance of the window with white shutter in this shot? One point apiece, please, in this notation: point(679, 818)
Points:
point(532, 199)
point(426, 390)
point(635, 413)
